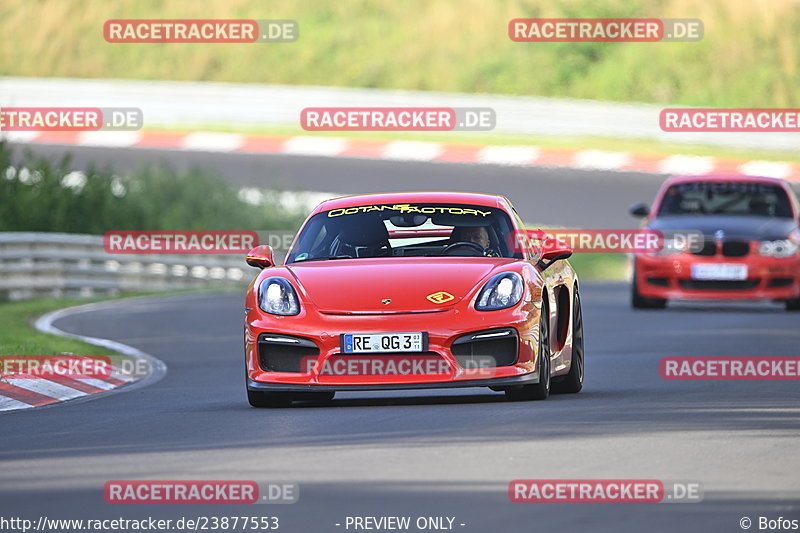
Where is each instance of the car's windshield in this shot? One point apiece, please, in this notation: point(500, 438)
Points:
point(405, 230)
point(726, 198)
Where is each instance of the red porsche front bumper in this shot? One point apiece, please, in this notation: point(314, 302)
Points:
point(293, 353)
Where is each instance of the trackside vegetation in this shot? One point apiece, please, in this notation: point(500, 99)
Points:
point(37, 194)
point(748, 57)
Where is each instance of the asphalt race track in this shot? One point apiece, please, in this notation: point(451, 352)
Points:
point(426, 452)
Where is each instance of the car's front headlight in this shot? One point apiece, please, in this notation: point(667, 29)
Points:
point(779, 248)
point(501, 291)
point(277, 296)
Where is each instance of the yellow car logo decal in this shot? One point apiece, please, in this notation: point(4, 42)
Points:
point(440, 297)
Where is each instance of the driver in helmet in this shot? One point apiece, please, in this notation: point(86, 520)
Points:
point(477, 234)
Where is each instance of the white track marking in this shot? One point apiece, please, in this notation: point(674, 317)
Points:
point(508, 155)
point(212, 142)
point(46, 387)
point(109, 138)
point(99, 383)
point(412, 150)
point(774, 169)
point(686, 164)
point(19, 136)
point(600, 159)
point(329, 146)
point(10, 404)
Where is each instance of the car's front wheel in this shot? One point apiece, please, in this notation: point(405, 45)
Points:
point(541, 390)
point(793, 304)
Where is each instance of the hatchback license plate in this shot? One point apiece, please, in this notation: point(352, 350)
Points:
point(719, 272)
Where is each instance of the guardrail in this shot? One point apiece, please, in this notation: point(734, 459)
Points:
point(176, 104)
point(56, 265)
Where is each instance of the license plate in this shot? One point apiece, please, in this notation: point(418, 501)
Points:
point(719, 272)
point(384, 342)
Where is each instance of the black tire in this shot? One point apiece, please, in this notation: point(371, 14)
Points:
point(640, 302)
point(793, 304)
point(572, 382)
point(268, 399)
point(541, 390)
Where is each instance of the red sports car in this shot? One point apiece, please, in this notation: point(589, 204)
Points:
point(750, 242)
point(412, 291)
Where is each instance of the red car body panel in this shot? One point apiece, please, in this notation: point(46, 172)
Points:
point(345, 296)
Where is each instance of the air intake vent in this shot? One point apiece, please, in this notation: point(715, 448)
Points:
point(496, 346)
point(282, 353)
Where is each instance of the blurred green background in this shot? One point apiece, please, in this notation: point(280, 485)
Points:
point(749, 57)
point(46, 195)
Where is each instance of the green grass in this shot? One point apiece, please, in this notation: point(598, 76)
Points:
point(19, 337)
point(599, 267)
point(749, 56)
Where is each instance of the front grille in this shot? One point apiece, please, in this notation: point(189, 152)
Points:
point(284, 353)
point(709, 248)
point(719, 285)
point(735, 248)
point(728, 248)
point(498, 346)
point(781, 282)
point(658, 282)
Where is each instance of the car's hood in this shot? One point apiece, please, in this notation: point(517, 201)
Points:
point(363, 285)
point(733, 227)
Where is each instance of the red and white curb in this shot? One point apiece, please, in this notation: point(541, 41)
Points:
point(23, 393)
point(520, 155)
point(18, 393)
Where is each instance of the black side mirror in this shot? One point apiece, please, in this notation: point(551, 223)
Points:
point(547, 262)
point(555, 253)
point(639, 210)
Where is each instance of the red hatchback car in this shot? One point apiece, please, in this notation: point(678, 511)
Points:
point(749, 250)
point(412, 291)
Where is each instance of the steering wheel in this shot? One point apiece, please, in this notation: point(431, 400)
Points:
point(470, 244)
